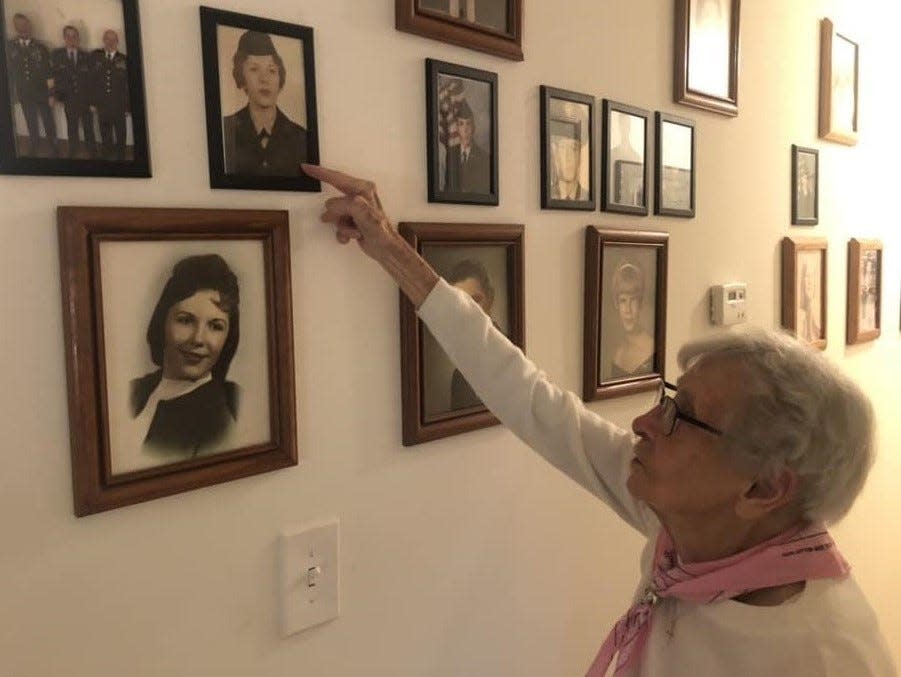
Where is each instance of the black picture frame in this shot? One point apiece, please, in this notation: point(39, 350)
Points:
point(801, 206)
point(550, 200)
point(116, 100)
point(618, 174)
point(481, 175)
point(238, 176)
point(666, 176)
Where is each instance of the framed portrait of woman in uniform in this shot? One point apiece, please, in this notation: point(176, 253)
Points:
point(72, 89)
point(260, 84)
point(179, 349)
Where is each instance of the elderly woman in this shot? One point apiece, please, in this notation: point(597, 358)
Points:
point(732, 480)
point(187, 407)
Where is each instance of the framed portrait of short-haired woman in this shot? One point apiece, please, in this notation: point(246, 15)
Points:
point(567, 149)
point(864, 290)
point(486, 262)
point(260, 84)
point(179, 349)
point(839, 88)
point(625, 311)
point(805, 186)
point(624, 168)
point(804, 288)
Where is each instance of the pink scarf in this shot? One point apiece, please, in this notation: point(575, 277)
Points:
point(799, 554)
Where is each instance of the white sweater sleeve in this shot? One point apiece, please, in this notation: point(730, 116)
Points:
point(554, 422)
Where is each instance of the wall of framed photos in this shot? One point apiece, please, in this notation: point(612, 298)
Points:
point(466, 555)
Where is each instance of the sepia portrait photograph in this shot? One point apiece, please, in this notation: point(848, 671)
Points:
point(864, 290)
point(192, 382)
point(625, 311)
point(805, 186)
point(625, 165)
point(261, 104)
point(838, 85)
point(462, 134)
point(675, 185)
point(804, 288)
point(567, 150)
point(73, 87)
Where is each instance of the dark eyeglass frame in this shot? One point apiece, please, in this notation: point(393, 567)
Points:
point(670, 413)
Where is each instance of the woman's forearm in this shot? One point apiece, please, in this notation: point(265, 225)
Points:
point(413, 274)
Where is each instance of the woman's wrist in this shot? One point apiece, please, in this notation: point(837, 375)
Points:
point(413, 274)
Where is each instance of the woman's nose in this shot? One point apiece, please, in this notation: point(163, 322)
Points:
point(648, 424)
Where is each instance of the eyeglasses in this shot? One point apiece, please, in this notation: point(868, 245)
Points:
point(669, 413)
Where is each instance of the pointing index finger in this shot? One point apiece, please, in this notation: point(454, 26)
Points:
point(347, 184)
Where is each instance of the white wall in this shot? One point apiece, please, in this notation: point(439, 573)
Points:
point(467, 556)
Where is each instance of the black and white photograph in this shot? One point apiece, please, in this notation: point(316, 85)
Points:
point(675, 154)
point(72, 83)
point(804, 288)
point(259, 78)
point(624, 175)
point(839, 87)
point(805, 186)
point(864, 290)
point(567, 150)
point(462, 134)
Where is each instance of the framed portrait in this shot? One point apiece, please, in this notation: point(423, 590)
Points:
point(567, 150)
point(624, 167)
point(72, 89)
point(260, 84)
point(705, 73)
point(625, 312)
point(461, 133)
point(492, 26)
point(486, 261)
point(838, 85)
point(804, 288)
point(179, 349)
point(805, 186)
point(864, 290)
point(674, 188)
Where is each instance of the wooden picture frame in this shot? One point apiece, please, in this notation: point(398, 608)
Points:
point(805, 186)
point(624, 164)
point(864, 290)
point(804, 278)
point(91, 101)
point(461, 134)
point(502, 38)
point(437, 400)
point(228, 410)
point(240, 157)
point(567, 162)
point(705, 64)
point(622, 354)
point(674, 185)
point(839, 87)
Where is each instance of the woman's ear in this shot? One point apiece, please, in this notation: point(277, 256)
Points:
point(767, 494)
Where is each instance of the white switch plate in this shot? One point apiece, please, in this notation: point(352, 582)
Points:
point(309, 575)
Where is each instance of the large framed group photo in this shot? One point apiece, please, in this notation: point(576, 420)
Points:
point(179, 349)
point(72, 89)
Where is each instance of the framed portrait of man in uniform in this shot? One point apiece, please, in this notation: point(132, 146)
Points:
point(260, 84)
point(567, 150)
point(72, 89)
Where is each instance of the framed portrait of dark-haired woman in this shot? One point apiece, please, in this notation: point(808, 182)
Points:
point(260, 84)
point(485, 262)
point(179, 349)
point(804, 288)
point(625, 312)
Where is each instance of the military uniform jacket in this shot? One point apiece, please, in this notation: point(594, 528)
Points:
point(29, 69)
point(110, 86)
point(475, 172)
point(72, 82)
point(286, 149)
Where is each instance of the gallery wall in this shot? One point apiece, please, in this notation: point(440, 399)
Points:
point(469, 555)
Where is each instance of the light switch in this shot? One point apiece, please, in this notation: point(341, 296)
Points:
point(309, 575)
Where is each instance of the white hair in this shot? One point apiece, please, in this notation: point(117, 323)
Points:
point(795, 409)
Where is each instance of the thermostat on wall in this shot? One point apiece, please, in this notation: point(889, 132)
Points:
point(727, 303)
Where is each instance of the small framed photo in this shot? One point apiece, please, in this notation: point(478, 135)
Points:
point(260, 84)
point(674, 189)
point(485, 261)
point(72, 89)
point(567, 150)
point(624, 170)
point(804, 288)
point(625, 312)
point(805, 186)
point(864, 290)
point(461, 133)
point(839, 87)
point(706, 57)
point(179, 349)
point(491, 26)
